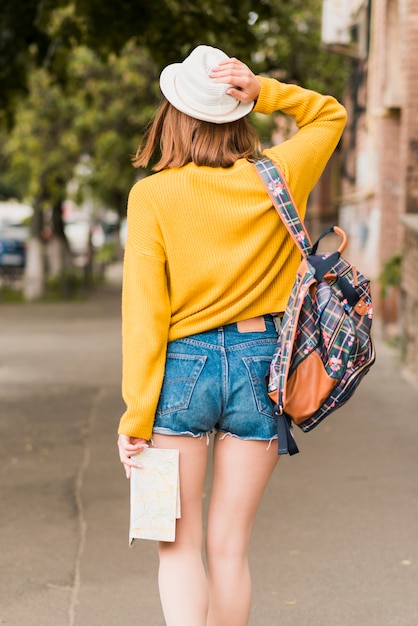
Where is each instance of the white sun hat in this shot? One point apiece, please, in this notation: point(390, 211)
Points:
point(189, 88)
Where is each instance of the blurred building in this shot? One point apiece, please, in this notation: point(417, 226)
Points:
point(379, 201)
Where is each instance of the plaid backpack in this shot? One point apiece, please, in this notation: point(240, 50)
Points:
point(324, 347)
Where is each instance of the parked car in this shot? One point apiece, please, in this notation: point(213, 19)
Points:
point(12, 247)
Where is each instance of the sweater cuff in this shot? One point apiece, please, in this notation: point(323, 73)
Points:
point(267, 98)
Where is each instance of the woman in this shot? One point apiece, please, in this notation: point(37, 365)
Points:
point(207, 264)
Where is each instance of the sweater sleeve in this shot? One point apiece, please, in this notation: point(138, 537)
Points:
point(320, 120)
point(145, 321)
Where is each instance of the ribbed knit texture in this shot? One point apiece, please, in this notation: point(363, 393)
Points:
point(206, 248)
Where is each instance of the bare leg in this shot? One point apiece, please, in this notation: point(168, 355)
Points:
point(241, 471)
point(182, 578)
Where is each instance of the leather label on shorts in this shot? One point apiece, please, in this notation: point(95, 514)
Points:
point(253, 325)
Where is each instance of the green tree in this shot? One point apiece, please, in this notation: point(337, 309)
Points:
point(40, 153)
point(45, 31)
point(94, 122)
point(114, 102)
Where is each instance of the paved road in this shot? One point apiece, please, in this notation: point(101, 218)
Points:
point(336, 540)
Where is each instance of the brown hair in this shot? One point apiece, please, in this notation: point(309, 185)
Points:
point(183, 139)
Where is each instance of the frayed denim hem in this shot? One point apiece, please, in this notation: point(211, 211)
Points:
point(222, 436)
point(186, 433)
point(269, 441)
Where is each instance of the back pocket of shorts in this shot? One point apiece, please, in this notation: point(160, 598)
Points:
point(258, 368)
point(181, 374)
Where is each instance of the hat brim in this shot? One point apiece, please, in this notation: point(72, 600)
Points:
point(168, 87)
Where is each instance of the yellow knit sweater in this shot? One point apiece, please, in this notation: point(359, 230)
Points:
point(206, 248)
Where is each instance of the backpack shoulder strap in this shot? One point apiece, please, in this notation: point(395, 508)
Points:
point(283, 202)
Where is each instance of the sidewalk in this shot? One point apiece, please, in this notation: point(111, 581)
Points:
point(335, 542)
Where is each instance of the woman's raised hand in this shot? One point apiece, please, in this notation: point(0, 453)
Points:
point(245, 85)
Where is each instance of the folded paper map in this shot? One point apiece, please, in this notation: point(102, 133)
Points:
point(155, 495)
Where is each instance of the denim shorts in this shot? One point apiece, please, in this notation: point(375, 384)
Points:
point(217, 381)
